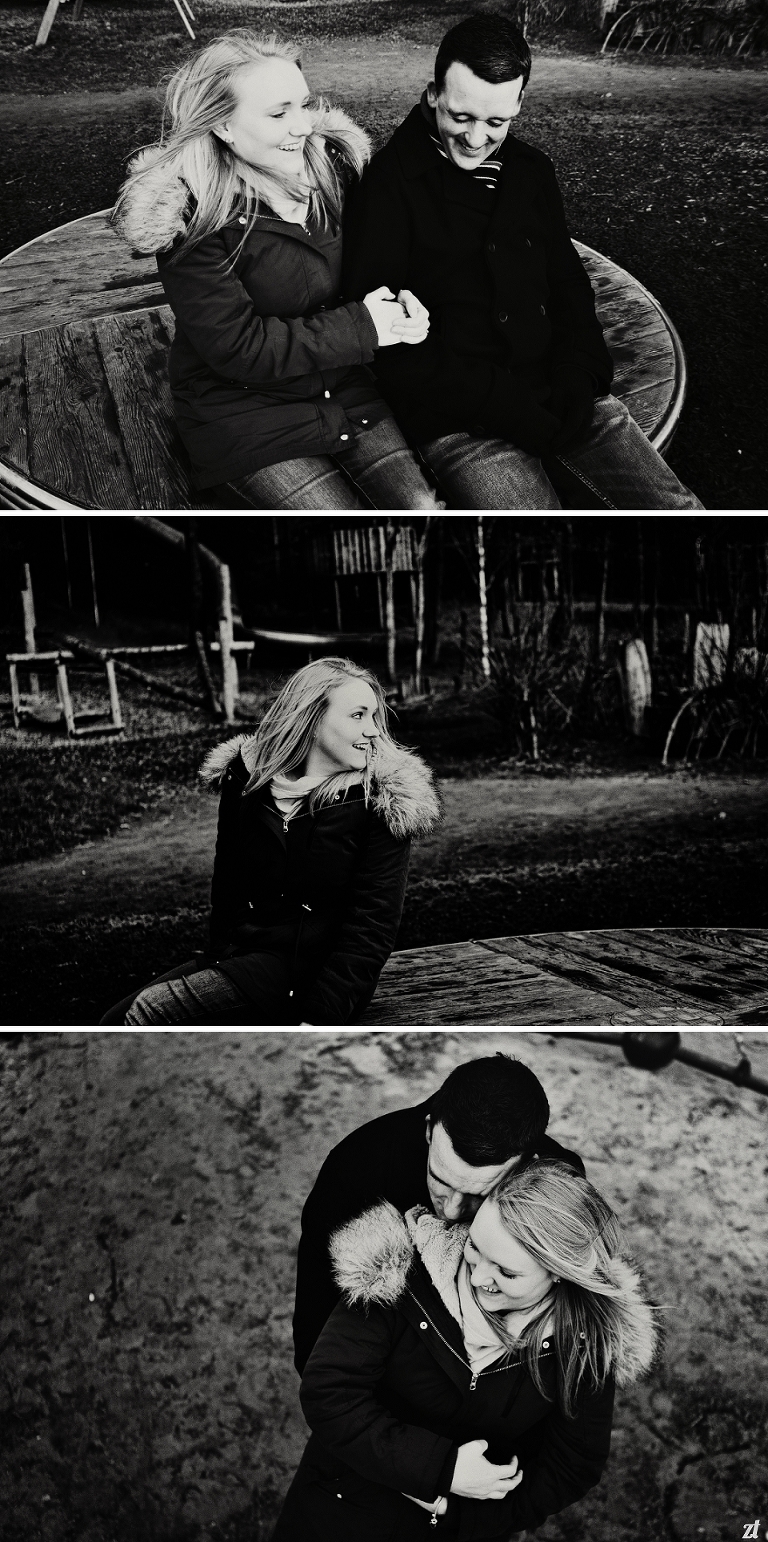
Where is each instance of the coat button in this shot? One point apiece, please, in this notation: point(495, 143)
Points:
point(326, 393)
point(339, 1496)
point(543, 310)
point(503, 316)
point(422, 1325)
point(545, 1343)
point(242, 220)
point(527, 242)
point(364, 420)
point(491, 246)
point(343, 436)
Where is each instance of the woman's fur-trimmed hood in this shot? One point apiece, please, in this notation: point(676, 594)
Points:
point(403, 792)
point(154, 204)
point(372, 1257)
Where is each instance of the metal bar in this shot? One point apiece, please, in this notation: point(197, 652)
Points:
point(184, 18)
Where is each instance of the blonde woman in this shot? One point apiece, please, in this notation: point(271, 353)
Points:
point(241, 201)
point(318, 809)
point(466, 1381)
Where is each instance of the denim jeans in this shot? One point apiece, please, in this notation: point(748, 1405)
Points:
point(189, 994)
point(614, 467)
point(384, 474)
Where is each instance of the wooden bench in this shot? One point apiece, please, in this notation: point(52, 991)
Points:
point(667, 976)
point(85, 410)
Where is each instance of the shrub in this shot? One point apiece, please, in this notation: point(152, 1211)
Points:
point(666, 26)
point(730, 714)
point(546, 686)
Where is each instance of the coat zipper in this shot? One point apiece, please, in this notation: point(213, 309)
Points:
point(474, 1375)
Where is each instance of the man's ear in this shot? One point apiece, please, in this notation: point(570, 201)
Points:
point(432, 94)
point(520, 103)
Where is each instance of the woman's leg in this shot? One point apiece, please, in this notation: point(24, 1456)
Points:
point(480, 473)
point(115, 1017)
point(310, 482)
point(210, 998)
point(386, 470)
point(206, 997)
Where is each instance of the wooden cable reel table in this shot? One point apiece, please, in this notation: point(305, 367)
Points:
point(86, 419)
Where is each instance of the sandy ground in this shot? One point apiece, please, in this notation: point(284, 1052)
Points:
point(151, 1190)
point(164, 861)
point(397, 72)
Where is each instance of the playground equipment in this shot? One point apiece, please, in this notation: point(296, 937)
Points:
point(653, 1051)
point(183, 7)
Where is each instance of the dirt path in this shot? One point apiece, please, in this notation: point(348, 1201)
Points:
point(389, 72)
point(151, 1190)
point(163, 862)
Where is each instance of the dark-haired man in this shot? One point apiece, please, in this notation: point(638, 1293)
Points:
point(508, 399)
point(488, 1117)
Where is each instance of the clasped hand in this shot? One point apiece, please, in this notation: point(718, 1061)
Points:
point(397, 319)
point(476, 1478)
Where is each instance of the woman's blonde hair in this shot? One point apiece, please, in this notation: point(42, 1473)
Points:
point(200, 95)
point(287, 731)
point(562, 1221)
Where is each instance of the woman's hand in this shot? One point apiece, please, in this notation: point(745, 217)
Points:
point(438, 1507)
point(397, 320)
point(475, 1478)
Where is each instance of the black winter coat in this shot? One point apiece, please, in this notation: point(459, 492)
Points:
point(266, 363)
point(385, 1159)
point(389, 1396)
point(324, 890)
point(509, 300)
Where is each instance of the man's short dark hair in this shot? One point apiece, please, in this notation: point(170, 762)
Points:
point(492, 1109)
point(490, 46)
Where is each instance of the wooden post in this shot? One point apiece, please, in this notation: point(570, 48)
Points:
point(68, 710)
point(337, 593)
point(196, 617)
point(47, 22)
point(114, 699)
point(229, 685)
point(485, 661)
point(28, 606)
point(636, 680)
point(15, 694)
point(77, 10)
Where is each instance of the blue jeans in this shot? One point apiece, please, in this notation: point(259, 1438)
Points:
point(378, 461)
point(614, 467)
point(206, 996)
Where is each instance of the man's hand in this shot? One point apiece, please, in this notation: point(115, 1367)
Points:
point(475, 1478)
point(397, 320)
point(573, 402)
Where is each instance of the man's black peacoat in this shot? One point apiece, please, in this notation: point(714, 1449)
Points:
point(385, 1159)
point(511, 308)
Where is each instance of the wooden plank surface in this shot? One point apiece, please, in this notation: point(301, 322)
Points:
point(667, 977)
point(75, 446)
point(77, 271)
point(134, 350)
point(13, 403)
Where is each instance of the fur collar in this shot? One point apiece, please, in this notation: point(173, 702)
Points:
point(154, 202)
point(372, 1257)
point(403, 792)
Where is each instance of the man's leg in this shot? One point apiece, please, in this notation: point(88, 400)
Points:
point(386, 470)
point(479, 473)
point(309, 482)
point(620, 467)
